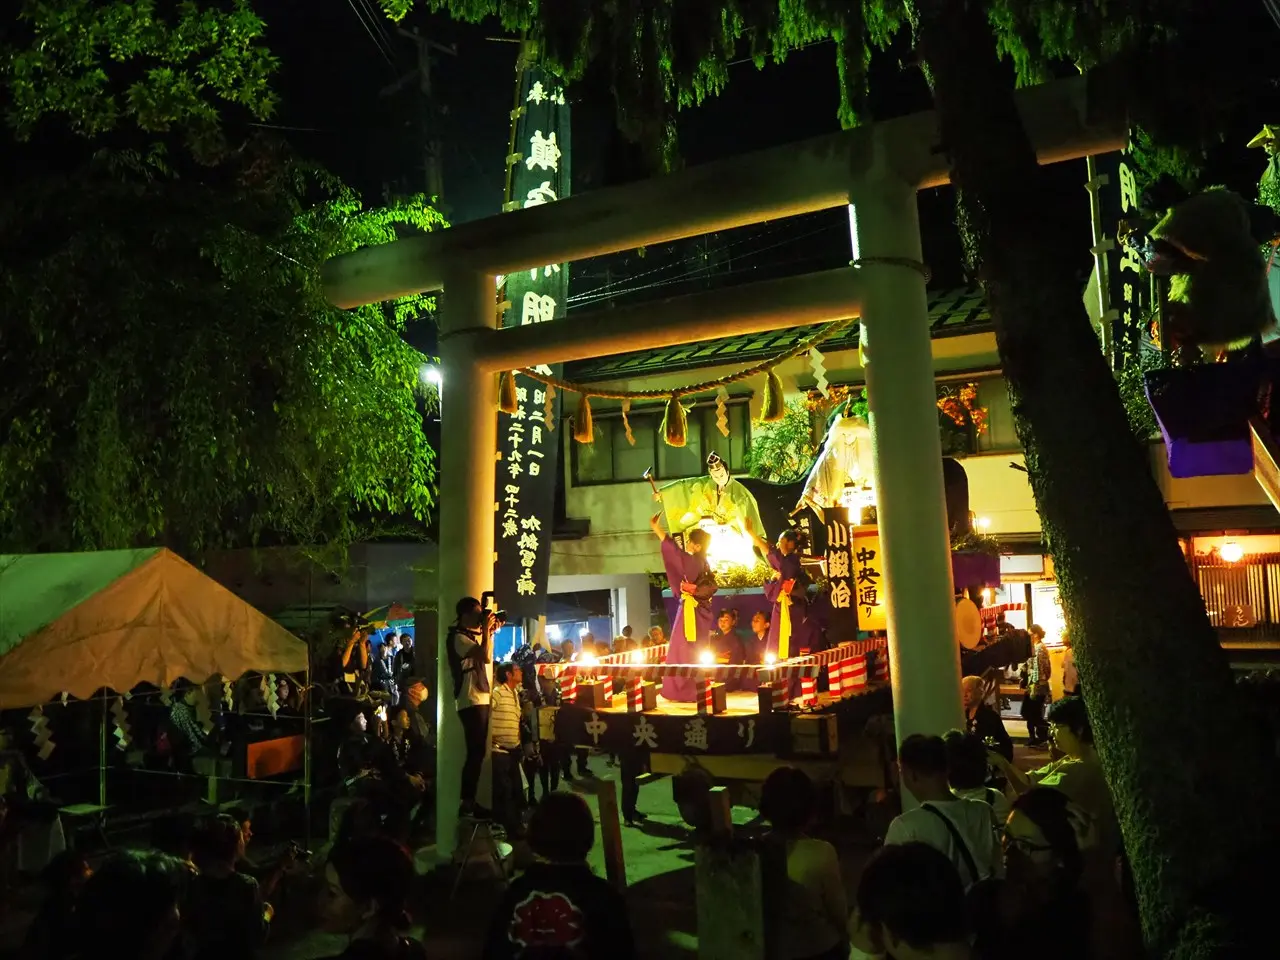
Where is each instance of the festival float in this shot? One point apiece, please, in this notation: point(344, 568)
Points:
point(817, 695)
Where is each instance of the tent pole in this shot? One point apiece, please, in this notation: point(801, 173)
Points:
point(306, 756)
point(102, 755)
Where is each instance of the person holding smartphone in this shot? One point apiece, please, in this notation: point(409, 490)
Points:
point(468, 649)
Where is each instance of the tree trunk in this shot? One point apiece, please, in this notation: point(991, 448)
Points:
point(1192, 778)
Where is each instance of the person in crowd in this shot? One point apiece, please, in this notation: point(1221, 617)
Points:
point(558, 907)
point(406, 746)
point(632, 762)
point(416, 699)
point(531, 761)
point(366, 888)
point(589, 647)
point(1036, 674)
point(31, 831)
point(174, 834)
point(467, 646)
point(1039, 901)
point(406, 662)
point(568, 652)
point(982, 719)
point(225, 913)
point(504, 733)
point(1070, 675)
point(356, 753)
point(968, 772)
point(354, 660)
point(724, 640)
point(963, 830)
point(625, 641)
point(811, 906)
point(51, 935)
point(910, 905)
point(129, 907)
point(1078, 774)
point(384, 670)
point(657, 636)
point(189, 738)
point(755, 646)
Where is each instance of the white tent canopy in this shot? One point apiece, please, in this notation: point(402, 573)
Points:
point(76, 622)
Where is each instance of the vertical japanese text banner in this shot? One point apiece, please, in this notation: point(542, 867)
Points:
point(528, 443)
point(868, 578)
point(842, 622)
point(1128, 282)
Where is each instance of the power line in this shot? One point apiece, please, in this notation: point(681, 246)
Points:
point(370, 31)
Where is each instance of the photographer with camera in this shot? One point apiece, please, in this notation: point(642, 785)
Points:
point(468, 650)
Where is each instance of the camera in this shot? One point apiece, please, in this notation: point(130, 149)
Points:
point(486, 600)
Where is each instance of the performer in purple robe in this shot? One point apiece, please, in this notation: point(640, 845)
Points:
point(787, 593)
point(692, 581)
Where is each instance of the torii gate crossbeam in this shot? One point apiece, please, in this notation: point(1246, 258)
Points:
point(877, 171)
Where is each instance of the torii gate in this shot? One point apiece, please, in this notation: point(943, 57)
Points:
point(875, 170)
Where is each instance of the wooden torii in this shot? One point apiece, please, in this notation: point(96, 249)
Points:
point(876, 170)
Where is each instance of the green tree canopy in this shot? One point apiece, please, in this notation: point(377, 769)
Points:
point(170, 371)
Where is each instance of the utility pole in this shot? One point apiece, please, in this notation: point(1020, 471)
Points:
point(429, 112)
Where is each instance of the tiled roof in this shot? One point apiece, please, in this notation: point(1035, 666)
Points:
point(951, 312)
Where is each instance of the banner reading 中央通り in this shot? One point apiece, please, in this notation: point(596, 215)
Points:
point(529, 440)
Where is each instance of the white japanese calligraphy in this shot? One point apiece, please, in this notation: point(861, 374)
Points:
point(645, 734)
point(543, 152)
point(748, 732)
point(537, 94)
point(596, 727)
point(547, 271)
point(537, 308)
point(837, 535)
point(841, 595)
point(838, 564)
point(695, 734)
point(540, 194)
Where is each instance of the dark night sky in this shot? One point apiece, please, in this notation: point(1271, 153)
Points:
point(337, 58)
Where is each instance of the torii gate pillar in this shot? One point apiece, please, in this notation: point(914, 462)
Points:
point(468, 453)
point(897, 355)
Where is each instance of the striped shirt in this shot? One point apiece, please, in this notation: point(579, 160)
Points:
point(504, 718)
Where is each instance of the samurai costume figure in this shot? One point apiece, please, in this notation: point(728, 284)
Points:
point(1210, 245)
point(788, 627)
point(692, 581)
point(845, 460)
point(717, 496)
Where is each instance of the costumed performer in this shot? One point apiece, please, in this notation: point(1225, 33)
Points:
point(716, 495)
point(693, 584)
point(845, 459)
point(787, 591)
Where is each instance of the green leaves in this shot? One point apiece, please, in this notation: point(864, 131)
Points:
point(172, 373)
point(137, 64)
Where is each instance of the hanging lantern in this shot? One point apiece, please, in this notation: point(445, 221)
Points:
point(582, 427)
point(774, 408)
point(675, 425)
point(507, 401)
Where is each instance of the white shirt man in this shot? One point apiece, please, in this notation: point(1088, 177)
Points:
point(963, 830)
